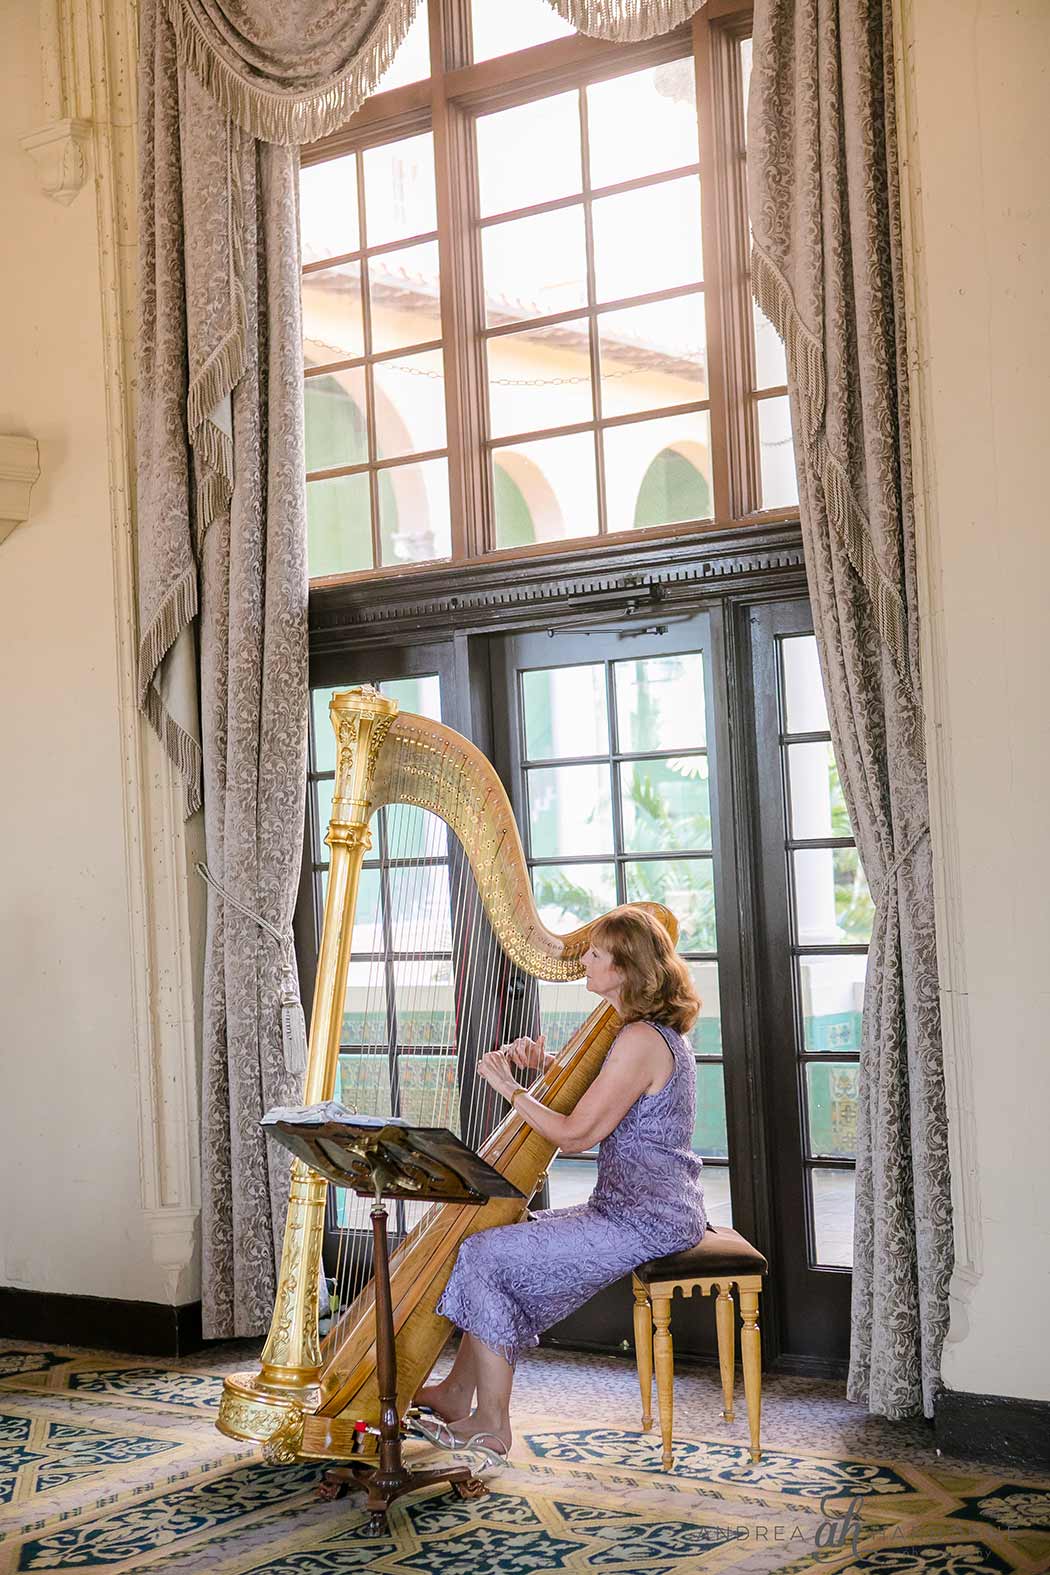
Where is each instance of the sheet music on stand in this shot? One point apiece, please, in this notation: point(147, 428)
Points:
point(429, 1164)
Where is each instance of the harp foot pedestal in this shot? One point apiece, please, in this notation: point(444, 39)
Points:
point(386, 1486)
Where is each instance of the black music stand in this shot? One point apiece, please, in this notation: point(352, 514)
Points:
point(386, 1157)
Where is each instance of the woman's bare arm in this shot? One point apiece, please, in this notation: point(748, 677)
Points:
point(629, 1068)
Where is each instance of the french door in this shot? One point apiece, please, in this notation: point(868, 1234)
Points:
point(611, 753)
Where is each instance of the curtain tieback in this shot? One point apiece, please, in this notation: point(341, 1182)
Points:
point(293, 1019)
point(884, 884)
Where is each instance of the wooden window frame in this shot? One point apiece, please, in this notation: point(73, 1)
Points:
point(447, 103)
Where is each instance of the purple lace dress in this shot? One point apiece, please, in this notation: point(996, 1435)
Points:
point(511, 1282)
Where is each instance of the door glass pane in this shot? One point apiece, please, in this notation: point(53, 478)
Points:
point(364, 1010)
point(642, 123)
point(323, 731)
point(420, 695)
point(818, 806)
point(832, 901)
point(420, 912)
point(666, 805)
point(804, 707)
point(660, 704)
point(833, 1192)
point(832, 1001)
point(687, 887)
point(529, 154)
point(429, 1091)
point(325, 795)
point(368, 916)
point(568, 895)
point(413, 833)
point(563, 1007)
point(570, 811)
point(709, 1132)
point(705, 1036)
point(717, 1201)
point(424, 993)
point(831, 1095)
point(566, 712)
point(364, 1084)
point(571, 1181)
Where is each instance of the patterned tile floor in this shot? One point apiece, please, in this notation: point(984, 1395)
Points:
point(113, 1464)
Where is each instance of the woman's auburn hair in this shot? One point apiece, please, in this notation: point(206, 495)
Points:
point(658, 986)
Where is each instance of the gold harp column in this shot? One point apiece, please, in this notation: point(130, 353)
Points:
point(270, 1404)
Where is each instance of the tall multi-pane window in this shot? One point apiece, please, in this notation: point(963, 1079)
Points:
point(831, 920)
point(595, 345)
point(526, 314)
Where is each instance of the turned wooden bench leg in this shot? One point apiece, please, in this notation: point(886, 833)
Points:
point(643, 1346)
point(664, 1356)
point(726, 1327)
point(751, 1360)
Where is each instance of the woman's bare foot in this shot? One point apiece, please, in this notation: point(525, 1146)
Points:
point(493, 1433)
point(447, 1400)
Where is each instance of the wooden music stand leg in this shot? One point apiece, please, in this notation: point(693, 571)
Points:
point(391, 1478)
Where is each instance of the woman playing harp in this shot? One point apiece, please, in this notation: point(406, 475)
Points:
point(512, 1282)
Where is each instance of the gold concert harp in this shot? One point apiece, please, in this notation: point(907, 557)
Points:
point(304, 1400)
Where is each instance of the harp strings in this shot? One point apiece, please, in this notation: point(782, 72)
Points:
point(434, 1016)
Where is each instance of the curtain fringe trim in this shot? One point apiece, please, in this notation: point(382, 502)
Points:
point(805, 359)
point(283, 117)
point(222, 371)
point(625, 21)
point(176, 612)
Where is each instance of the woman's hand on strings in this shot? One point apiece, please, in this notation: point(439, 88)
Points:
point(528, 1052)
point(494, 1067)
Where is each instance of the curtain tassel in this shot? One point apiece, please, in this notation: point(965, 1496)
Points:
point(293, 1018)
point(293, 1021)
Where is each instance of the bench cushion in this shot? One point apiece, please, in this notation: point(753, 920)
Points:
point(721, 1251)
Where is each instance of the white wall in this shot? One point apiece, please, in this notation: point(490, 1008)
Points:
point(75, 1173)
point(976, 77)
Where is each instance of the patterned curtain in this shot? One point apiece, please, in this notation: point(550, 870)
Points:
point(827, 271)
point(228, 89)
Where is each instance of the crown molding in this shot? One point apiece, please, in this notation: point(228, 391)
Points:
point(19, 469)
point(630, 578)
